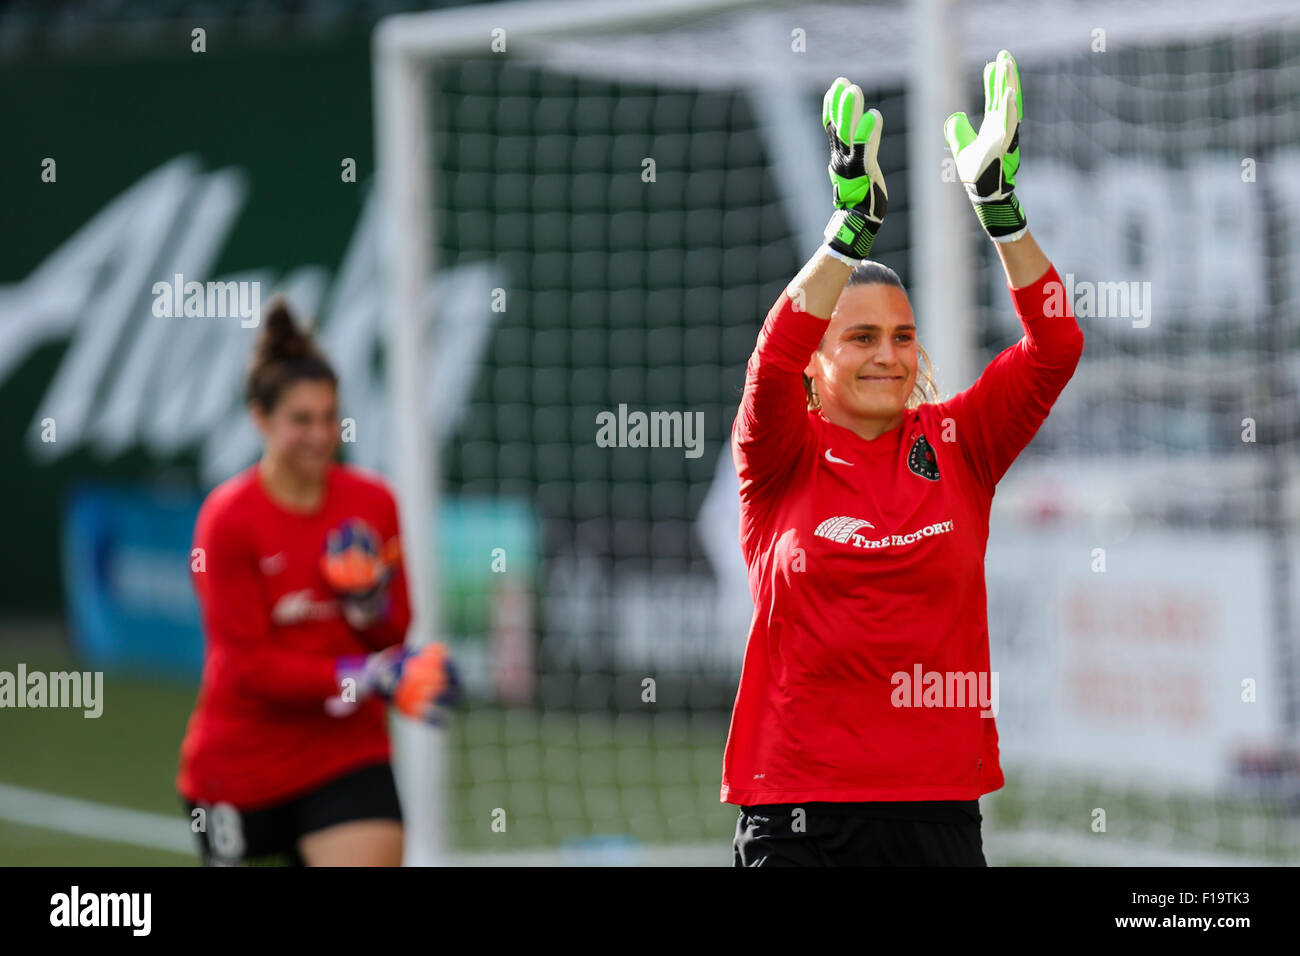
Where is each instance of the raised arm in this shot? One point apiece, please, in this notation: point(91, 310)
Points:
point(771, 426)
point(1022, 261)
point(998, 416)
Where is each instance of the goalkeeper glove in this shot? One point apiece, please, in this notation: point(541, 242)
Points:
point(422, 684)
point(358, 570)
point(857, 184)
point(987, 163)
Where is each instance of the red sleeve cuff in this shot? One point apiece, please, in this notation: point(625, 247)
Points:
point(1031, 301)
point(789, 336)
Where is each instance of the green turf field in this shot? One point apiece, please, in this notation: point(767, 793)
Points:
point(561, 779)
point(564, 781)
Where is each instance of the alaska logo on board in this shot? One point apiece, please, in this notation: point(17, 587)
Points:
point(922, 461)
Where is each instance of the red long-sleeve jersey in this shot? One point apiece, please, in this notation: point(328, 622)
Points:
point(866, 567)
point(273, 630)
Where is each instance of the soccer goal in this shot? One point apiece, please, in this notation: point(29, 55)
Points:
point(626, 188)
point(642, 180)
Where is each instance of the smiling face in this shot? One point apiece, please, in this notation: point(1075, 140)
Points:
point(865, 369)
point(302, 430)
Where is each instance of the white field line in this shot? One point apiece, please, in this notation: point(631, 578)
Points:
point(97, 821)
point(51, 811)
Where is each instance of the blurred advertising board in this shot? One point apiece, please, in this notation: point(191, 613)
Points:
point(1147, 659)
point(131, 603)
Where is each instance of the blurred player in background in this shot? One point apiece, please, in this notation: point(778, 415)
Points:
point(300, 581)
point(864, 523)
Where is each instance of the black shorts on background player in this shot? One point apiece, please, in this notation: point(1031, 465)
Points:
point(912, 833)
point(269, 836)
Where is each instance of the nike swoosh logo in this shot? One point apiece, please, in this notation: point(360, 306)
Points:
point(838, 461)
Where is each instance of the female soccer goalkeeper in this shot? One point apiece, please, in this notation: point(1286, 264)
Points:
point(304, 604)
point(864, 521)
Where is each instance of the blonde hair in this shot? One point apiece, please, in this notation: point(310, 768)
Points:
point(870, 272)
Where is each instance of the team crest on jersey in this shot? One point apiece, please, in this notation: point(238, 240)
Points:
point(921, 459)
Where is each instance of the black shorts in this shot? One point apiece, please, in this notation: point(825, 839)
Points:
point(911, 833)
point(269, 836)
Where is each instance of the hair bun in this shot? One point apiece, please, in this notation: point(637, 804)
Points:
point(281, 340)
point(285, 353)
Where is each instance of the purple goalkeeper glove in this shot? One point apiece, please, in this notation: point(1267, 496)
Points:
point(422, 684)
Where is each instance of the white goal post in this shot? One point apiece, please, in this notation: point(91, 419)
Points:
point(405, 47)
point(521, 163)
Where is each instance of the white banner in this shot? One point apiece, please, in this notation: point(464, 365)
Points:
point(1158, 669)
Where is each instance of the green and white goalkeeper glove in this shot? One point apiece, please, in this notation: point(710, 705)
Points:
point(858, 186)
point(987, 163)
